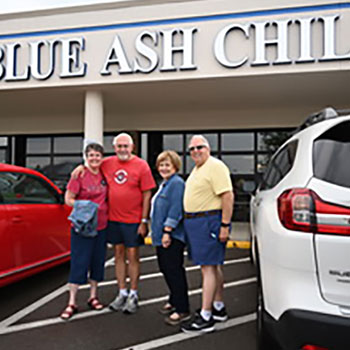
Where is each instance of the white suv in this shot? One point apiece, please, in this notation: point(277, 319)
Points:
point(300, 222)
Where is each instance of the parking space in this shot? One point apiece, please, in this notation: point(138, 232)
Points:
point(36, 325)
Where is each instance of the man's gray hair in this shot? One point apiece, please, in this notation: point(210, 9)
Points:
point(203, 138)
point(123, 134)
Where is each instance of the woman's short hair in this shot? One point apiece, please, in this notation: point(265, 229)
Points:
point(172, 156)
point(93, 147)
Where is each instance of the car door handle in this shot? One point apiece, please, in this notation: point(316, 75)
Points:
point(17, 219)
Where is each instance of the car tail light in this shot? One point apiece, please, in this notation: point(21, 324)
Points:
point(313, 347)
point(301, 209)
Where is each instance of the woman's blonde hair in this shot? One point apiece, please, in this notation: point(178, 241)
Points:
point(172, 156)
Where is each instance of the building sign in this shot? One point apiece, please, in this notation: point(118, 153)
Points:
point(157, 49)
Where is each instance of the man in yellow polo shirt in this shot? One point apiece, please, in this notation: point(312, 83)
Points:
point(208, 204)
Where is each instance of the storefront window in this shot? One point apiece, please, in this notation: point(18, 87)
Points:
point(37, 163)
point(239, 164)
point(243, 186)
point(3, 141)
point(61, 168)
point(245, 158)
point(237, 141)
point(3, 156)
point(271, 141)
point(69, 144)
point(108, 144)
point(38, 145)
point(181, 170)
point(189, 164)
point(173, 142)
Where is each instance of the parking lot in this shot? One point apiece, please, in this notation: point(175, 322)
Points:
point(29, 311)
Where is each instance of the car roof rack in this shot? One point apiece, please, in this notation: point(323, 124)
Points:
point(324, 114)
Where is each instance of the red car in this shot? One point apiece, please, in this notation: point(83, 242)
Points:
point(34, 229)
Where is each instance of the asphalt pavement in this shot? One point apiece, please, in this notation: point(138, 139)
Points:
point(29, 311)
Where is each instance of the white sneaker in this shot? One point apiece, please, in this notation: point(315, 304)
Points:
point(131, 304)
point(118, 303)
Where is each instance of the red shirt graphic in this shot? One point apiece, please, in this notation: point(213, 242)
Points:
point(126, 182)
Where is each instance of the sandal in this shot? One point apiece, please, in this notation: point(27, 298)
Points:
point(176, 318)
point(95, 304)
point(69, 311)
point(167, 309)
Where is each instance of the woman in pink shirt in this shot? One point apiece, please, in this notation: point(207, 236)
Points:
point(88, 253)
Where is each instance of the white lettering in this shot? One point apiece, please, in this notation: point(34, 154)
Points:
point(36, 59)
point(169, 49)
point(146, 52)
point(116, 55)
point(305, 40)
point(70, 58)
point(220, 47)
point(11, 63)
point(281, 41)
point(2, 68)
point(329, 53)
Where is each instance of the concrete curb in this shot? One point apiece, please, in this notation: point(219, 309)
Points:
point(229, 244)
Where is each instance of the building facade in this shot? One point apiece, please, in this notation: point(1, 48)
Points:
point(243, 74)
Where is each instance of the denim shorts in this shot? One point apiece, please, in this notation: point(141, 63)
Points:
point(122, 233)
point(203, 237)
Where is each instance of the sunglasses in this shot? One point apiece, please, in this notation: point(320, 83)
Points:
point(198, 148)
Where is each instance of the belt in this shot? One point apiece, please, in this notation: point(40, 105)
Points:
point(202, 214)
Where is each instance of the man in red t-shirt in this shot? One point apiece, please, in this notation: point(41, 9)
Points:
point(130, 182)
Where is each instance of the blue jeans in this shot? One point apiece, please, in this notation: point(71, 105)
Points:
point(87, 256)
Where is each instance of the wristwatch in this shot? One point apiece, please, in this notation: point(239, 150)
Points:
point(224, 224)
point(144, 221)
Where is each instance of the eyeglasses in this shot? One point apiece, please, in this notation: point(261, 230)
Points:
point(123, 146)
point(198, 148)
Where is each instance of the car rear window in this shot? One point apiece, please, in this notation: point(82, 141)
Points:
point(331, 155)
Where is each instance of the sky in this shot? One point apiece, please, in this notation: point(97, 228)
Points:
point(10, 6)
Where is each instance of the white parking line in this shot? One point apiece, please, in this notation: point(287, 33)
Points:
point(29, 309)
point(56, 320)
point(111, 261)
point(157, 343)
point(159, 274)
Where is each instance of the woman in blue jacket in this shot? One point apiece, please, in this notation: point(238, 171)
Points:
point(168, 236)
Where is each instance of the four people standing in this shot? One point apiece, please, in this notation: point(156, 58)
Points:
point(208, 202)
